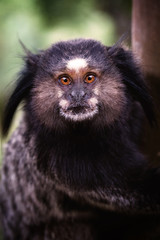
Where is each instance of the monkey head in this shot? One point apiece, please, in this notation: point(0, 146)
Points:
point(79, 85)
point(79, 81)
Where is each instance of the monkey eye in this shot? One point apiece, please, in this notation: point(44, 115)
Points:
point(90, 78)
point(65, 80)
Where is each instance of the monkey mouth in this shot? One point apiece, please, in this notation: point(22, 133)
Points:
point(79, 113)
point(78, 109)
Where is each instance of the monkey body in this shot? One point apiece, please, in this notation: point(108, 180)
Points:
point(72, 169)
point(45, 209)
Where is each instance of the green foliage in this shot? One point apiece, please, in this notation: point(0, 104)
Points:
point(58, 11)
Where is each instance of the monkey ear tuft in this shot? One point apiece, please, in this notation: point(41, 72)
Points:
point(22, 89)
point(133, 79)
point(24, 84)
point(30, 59)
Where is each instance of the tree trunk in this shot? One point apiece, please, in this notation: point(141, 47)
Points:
point(146, 45)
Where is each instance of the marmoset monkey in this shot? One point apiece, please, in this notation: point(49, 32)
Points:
point(72, 170)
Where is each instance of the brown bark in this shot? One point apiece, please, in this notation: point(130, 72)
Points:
point(146, 45)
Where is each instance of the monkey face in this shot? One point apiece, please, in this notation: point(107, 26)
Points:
point(71, 94)
point(78, 101)
point(85, 92)
point(79, 90)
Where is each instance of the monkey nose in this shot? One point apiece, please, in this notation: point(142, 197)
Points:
point(77, 95)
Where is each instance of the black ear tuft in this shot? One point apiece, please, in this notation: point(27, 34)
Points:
point(30, 58)
point(133, 79)
point(21, 91)
point(24, 84)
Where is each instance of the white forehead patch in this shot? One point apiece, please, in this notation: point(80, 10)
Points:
point(76, 64)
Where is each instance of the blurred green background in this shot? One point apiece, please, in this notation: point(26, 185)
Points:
point(39, 23)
